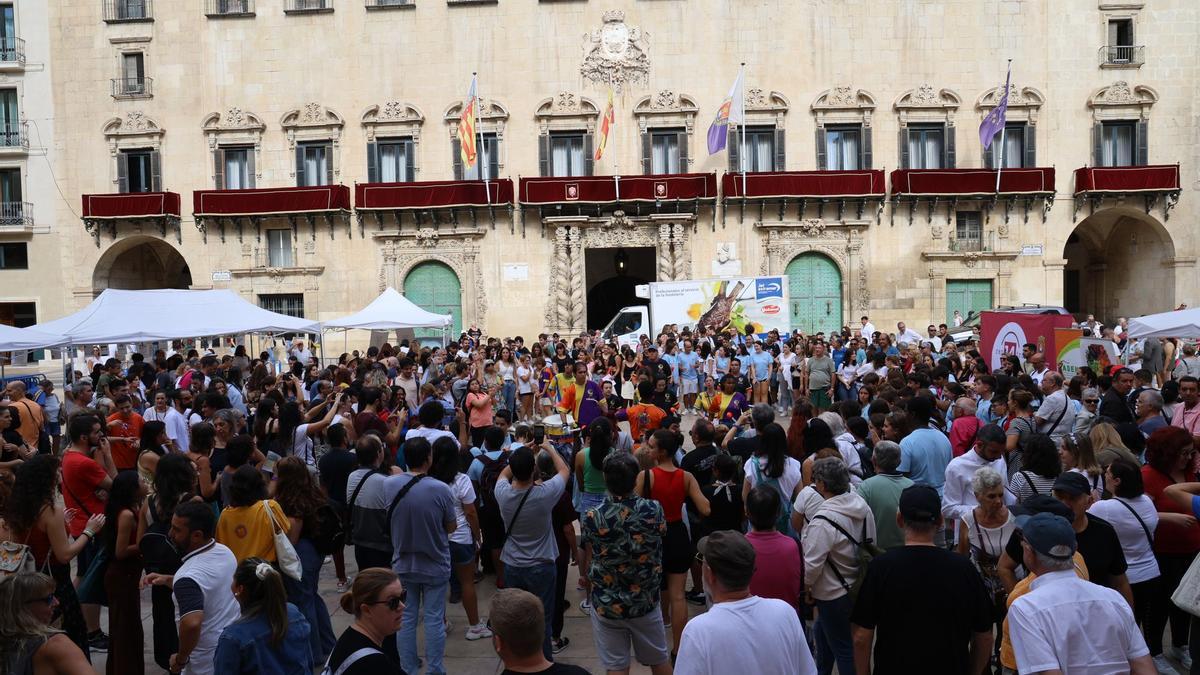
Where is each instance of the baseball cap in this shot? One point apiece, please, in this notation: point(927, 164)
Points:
point(920, 504)
point(1072, 483)
point(1043, 504)
point(730, 556)
point(651, 348)
point(1048, 534)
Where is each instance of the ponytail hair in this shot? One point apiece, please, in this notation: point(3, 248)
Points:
point(368, 586)
point(263, 594)
point(600, 437)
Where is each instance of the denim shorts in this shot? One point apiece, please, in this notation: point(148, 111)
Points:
point(461, 554)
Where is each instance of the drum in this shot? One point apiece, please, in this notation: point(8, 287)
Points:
point(559, 428)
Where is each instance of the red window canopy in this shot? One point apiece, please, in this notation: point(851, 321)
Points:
point(1156, 178)
point(433, 194)
point(613, 189)
point(131, 205)
point(270, 201)
point(957, 182)
point(805, 185)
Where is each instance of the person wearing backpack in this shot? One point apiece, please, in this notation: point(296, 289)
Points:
point(921, 595)
point(484, 471)
point(835, 544)
point(772, 466)
point(367, 506)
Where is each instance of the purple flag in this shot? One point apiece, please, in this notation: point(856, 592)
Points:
point(729, 112)
point(994, 122)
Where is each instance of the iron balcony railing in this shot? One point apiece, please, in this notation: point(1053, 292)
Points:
point(280, 258)
point(14, 135)
point(131, 86)
point(12, 50)
point(116, 11)
point(1123, 55)
point(228, 8)
point(303, 6)
point(16, 214)
point(982, 241)
point(389, 4)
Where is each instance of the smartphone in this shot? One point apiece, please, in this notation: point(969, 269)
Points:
point(539, 433)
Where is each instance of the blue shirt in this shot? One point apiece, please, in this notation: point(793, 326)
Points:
point(924, 455)
point(475, 471)
point(672, 361)
point(245, 647)
point(687, 365)
point(421, 547)
point(839, 355)
point(762, 365)
point(983, 410)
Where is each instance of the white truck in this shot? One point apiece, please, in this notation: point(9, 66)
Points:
point(714, 304)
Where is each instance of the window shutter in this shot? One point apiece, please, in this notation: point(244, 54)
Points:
point(822, 157)
point(647, 153)
point(589, 160)
point(493, 148)
point(410, 161)
point(299, 165)
point(122, 172)
point(250, 182)
point(544, 155)
point(780, 151)
point(1143, 143)
point(865, 156)
point(1030, 142)
point(329, 164)
point(1098, 144)
point(734, 143)
point(155, 171)
point(372, 162)
point(949, 146)
point(219, 169)
point(904, 159)
point(456, 158)
point(683, 152)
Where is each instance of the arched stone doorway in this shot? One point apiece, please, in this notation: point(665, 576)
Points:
point(1119, 262)
point(612, 276)
point(815, 293)
point(434, 287)
point(140, 263)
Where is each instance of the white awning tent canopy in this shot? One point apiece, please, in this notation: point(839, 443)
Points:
point(391, 311)
point(19, 339)
point(1182, 323)
point(168, 314)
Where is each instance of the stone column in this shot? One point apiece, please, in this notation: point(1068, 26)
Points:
point(576, 308)
point(666, 264)
point(559, 296)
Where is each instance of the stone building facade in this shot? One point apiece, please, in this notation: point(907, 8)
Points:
point(870, 187)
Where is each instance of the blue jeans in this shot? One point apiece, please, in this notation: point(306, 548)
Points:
point(304, 595)
point(427, 601)
point(832, 635)
point(539, 580)
point(509, 393)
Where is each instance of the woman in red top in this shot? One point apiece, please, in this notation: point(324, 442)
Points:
point(669, 486)
point(1170, 459)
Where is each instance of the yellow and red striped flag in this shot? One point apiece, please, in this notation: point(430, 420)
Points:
point(466, 127)
point(606, 125)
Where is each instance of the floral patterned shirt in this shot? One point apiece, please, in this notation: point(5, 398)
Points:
point(626, 536)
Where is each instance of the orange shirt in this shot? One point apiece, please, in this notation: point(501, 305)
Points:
point(125, 452)
point(32, 418)
point(643, 418)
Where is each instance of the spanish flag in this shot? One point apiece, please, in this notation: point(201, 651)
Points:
point(466, 127)
point(606, 125)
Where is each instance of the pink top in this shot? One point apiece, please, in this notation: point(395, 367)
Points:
point(1187, 419)
point(777, 568)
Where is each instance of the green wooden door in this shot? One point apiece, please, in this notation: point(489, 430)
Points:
point(815, 289)
point(967, 296)
point(434, 287)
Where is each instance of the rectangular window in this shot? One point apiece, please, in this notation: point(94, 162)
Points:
point(313, 160)
point(487, 154)
point(138, 174)
point(1120, 33)
point(664, 151)
point(1014, 147)
point(1117, 143)
point(843, 148)
point(8, 33)
point(237, 169)
point(758, 152)
point(133, 73)
point(566, 155)
point(10, 119)
point(926, 145)
point(395, 160)
point(131, 9)
point(14, 256)
point(279, 248)
point(968, 231)
point(291, 304)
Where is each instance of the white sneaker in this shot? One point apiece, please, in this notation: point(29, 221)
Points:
point(1181, 654)
point(479, 631)
point(1163, 666)
point(586, 606)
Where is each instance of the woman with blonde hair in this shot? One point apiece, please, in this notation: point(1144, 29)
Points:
point(1107, 444)
point(27, 642)
point(376, 599)
point(1076, 455)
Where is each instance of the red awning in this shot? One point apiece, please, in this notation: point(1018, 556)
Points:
point(271, 201)
point(432, 194)
point(805, 185)
point(606, 189)
point(131, 205)
point(957, 182)
point(1157, 178)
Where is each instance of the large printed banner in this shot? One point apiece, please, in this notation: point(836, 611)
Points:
point(1074, 351)
point(1004, 333)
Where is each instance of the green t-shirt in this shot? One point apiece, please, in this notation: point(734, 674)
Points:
point(820, 372)
point(882, 494)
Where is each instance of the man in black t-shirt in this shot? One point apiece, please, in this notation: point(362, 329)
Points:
point(518, 625)
point(655, 367)
point(924, 608)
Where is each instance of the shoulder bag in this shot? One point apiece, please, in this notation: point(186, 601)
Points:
point(1149, 534)
point(285, 554)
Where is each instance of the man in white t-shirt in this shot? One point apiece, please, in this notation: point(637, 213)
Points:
point(1056, 416)
point(741, 633)
point(298, 350)
point(906, 335)
point(868, 328)
point(177, 426)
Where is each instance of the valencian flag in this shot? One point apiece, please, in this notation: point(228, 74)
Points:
point(466, 127)
point(994, 122)
point(731, 111)
point(606, 125)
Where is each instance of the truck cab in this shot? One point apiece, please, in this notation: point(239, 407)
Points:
point(628, 325)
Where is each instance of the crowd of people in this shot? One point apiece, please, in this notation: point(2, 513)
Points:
point(920, 511)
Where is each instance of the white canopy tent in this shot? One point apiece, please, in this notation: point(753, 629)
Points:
point(1182, 323)
point(392, 311)
point(168, 314)
point(17, 339)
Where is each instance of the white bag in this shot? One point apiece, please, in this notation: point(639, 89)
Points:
point(1187, 594)
point(285, 553)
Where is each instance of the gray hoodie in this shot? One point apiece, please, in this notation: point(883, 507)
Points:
point(824, 546)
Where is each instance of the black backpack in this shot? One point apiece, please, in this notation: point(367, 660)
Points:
point(330, 533)
point(159, 555)
point(492, 468)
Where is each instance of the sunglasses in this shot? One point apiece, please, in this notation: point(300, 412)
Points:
point(392, 603)
point(1091, 401)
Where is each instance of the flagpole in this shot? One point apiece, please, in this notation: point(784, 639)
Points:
point(1003, 129)
point(616, 159)
point(487, 190)
point(742, 125)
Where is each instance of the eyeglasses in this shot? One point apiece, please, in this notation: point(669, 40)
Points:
point(393, 603)
point(49, 600)
point(1091, 401)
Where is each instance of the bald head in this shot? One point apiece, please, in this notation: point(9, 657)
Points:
point(967, 405)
